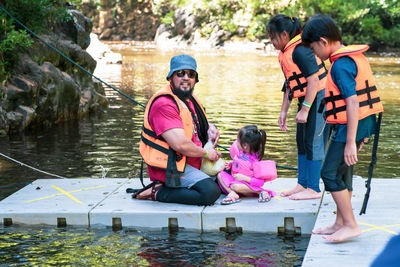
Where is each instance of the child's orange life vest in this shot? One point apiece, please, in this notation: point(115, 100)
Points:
point(153, 149)
point(295, 79)
point(367, 93)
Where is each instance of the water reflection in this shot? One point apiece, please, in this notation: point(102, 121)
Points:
point(236, 89)
point(83, 247)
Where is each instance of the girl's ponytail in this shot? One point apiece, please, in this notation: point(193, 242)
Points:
point(281, 23)
point(263, 140)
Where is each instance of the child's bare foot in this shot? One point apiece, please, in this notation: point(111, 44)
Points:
point(344, 233)
point(231, 198)
point(306, 194)
point(327, 230)
point(298, 188)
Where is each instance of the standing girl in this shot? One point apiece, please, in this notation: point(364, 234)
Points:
point(246, 174)
point(305, 77)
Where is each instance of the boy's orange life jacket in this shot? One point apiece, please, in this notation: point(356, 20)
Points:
point(367, 93)
point(295, 79)
point(154, 150)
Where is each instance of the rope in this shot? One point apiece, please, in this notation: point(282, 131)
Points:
point(33, 168)
point(92, 75)
point(70, 60)
point(14, 185)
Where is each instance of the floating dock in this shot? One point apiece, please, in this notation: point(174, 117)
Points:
point(105, 203)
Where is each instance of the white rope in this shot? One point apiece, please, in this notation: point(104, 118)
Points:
point(33, 168)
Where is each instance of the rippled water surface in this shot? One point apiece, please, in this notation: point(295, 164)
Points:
point(81, 247)
point(236, 89)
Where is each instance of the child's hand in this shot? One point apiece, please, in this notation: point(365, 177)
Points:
point(365, 141)
point(282, 121)
point(350, 153)
point(228, 165)
point(241, 177)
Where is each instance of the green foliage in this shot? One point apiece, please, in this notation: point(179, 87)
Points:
point(12, 42)
point(38, 15)
point(374, 22)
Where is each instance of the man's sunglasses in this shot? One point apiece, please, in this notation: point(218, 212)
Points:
point(190, 73)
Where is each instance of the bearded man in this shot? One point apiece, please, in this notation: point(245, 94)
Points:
point(175, 130)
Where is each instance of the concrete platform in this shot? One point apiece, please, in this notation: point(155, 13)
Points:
point(252, 216)
point(105, 203)
point(378, 225)
point(129, 212)
point(57, 201)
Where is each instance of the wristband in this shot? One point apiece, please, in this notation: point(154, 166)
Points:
point(206, 155)
point(306, 104)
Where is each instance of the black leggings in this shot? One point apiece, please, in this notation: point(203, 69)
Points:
point(204, 192)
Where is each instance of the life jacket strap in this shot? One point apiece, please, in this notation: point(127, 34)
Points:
point(173, 177)
point(154, 145)
point(369, 102)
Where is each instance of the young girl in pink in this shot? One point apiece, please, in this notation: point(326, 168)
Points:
point(247, 173)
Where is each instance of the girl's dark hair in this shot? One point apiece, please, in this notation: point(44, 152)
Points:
point(282, 23)
point(320, 26)
point(254, 138)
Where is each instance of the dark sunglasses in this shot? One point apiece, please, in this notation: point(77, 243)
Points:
point(190, 73)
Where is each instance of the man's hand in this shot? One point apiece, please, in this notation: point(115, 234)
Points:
point(213, 155)
point(213, 134)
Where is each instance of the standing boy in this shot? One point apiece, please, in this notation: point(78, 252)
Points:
point(352, 101)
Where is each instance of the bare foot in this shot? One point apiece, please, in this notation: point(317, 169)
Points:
point(306, 194)
point(327, 230)
point(344, 233)
point(232, 196)
point(298, 188)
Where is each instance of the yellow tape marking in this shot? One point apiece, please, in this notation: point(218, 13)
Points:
point(383, 228)
point(66, 193)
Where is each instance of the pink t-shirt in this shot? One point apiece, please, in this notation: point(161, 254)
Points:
point(164, 115)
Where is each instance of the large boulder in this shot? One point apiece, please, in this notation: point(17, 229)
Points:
point(45, 87)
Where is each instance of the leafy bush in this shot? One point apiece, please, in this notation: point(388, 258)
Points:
point(38, 15)
point(12, 42)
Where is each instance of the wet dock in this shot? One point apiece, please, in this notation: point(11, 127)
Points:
point(105, 203)
point(378, 225)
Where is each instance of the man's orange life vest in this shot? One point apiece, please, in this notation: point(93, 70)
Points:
point(295, 79)
point(367, 93)
point(154, 150)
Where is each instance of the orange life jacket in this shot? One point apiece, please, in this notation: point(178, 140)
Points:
point(367, 93)
point(295, 79)
point(153, 149)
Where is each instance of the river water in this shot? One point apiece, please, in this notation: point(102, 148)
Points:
point(236, 88)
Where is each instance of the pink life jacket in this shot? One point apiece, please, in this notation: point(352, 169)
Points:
point(249, 165)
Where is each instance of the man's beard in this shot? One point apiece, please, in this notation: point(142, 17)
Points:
point(181, 94)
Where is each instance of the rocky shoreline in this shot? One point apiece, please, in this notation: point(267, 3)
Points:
point(45, 88)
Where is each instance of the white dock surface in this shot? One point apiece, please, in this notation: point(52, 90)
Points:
point(101, 202)
point(105, 203)
point(378, 225)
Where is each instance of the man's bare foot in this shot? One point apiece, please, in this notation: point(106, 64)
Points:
point(306, 194)
point(327, 230)
point(298, 188)
point(343, 234)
